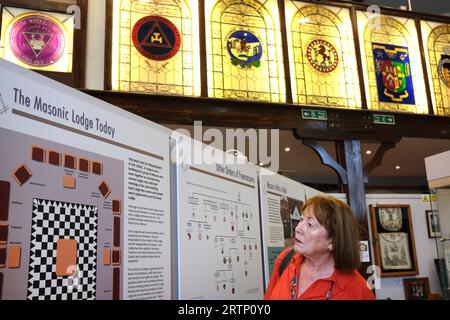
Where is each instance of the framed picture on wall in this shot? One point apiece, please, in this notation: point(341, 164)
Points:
point(434, 227)
point(416, 288)
point(393, 237)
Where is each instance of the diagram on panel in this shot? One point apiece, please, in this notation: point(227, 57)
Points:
point(63, 254)
point(226, 226)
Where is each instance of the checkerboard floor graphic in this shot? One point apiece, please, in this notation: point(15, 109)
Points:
point(51, 221)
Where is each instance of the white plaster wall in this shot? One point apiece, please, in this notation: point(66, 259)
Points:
point(443, 206)
point(95, 51)
point(426, 250)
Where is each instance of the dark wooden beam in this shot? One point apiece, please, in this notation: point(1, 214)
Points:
point(356, 196)
point(203, 62)
point(80, 47)
point(424, 66)
point(326, 159)
point(340, 158)
point(59, 6)
point(359, 64)
point(108, 45)
point(284, 43)
point(347, 124)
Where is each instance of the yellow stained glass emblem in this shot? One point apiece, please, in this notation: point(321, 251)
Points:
point(156, 47)
point(436, 38)
point(392, 64)
point(322, 56)
point(244, 55)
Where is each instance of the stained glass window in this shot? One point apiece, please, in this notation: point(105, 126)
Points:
point(37, 40)
point(322, 56)
point(244, 53)
point(393, 68)
point(436, 38)
point(156, 47)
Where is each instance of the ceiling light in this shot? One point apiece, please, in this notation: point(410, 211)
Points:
point(261, 164)
point(368, 151)
point(397, 167)
point(287, 149)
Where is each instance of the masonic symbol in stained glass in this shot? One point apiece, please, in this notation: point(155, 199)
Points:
point(393, 73)
point(444, 67)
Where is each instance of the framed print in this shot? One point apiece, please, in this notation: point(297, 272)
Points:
point(393, 237)
point(416, 288)
point(433, 225)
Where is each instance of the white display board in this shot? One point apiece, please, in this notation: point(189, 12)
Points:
point(281, 203)
point(219, 238)
point(86, 185)
point(438, 170)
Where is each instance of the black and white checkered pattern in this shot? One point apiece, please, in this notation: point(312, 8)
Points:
point(51, 221)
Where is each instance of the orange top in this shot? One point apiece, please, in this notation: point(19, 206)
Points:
point(339, 286)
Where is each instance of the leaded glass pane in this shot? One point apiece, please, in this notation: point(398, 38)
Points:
point(391, 63)
point(156, 47)
point(436, 39)
point(322, 56)
point(244, 54)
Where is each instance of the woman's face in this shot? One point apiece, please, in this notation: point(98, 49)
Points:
point(311, 238)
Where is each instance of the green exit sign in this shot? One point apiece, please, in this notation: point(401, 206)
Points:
point(314, 114)
point(383, 119)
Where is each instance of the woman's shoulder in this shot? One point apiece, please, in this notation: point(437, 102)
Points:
point(357, 285)
point(282, 255)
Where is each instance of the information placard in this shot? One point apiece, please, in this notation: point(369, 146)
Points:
point(219, 238)
point(85, 195)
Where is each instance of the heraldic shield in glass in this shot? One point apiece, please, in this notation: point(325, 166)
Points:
point(393, 73)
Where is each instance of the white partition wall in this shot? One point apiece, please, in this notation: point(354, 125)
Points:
point(85, 195)
point(218, 229)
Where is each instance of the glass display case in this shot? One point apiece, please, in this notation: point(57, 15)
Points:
point(438, 224)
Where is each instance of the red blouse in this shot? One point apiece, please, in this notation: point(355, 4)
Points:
point(339, 286)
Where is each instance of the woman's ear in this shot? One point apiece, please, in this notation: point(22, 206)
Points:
point(330, 246)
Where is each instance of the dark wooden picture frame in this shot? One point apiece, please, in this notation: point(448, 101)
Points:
point(416, 288)
point(433, 224)
point(393, 239)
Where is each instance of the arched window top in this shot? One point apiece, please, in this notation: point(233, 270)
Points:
point(243, 47)
point(322, 56)
point(319, 16)
point(439, 38)
point(252, 13)
point(392, 63)
point(165, 7)
point(387, 30)
point(156, 47)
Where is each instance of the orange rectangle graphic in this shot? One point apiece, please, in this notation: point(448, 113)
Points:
point(69, 182)
point(106, 256)
point(14, 256)
point(66, 257)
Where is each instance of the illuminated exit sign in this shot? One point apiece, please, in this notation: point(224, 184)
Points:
point(383, 119)
point(311, 114)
